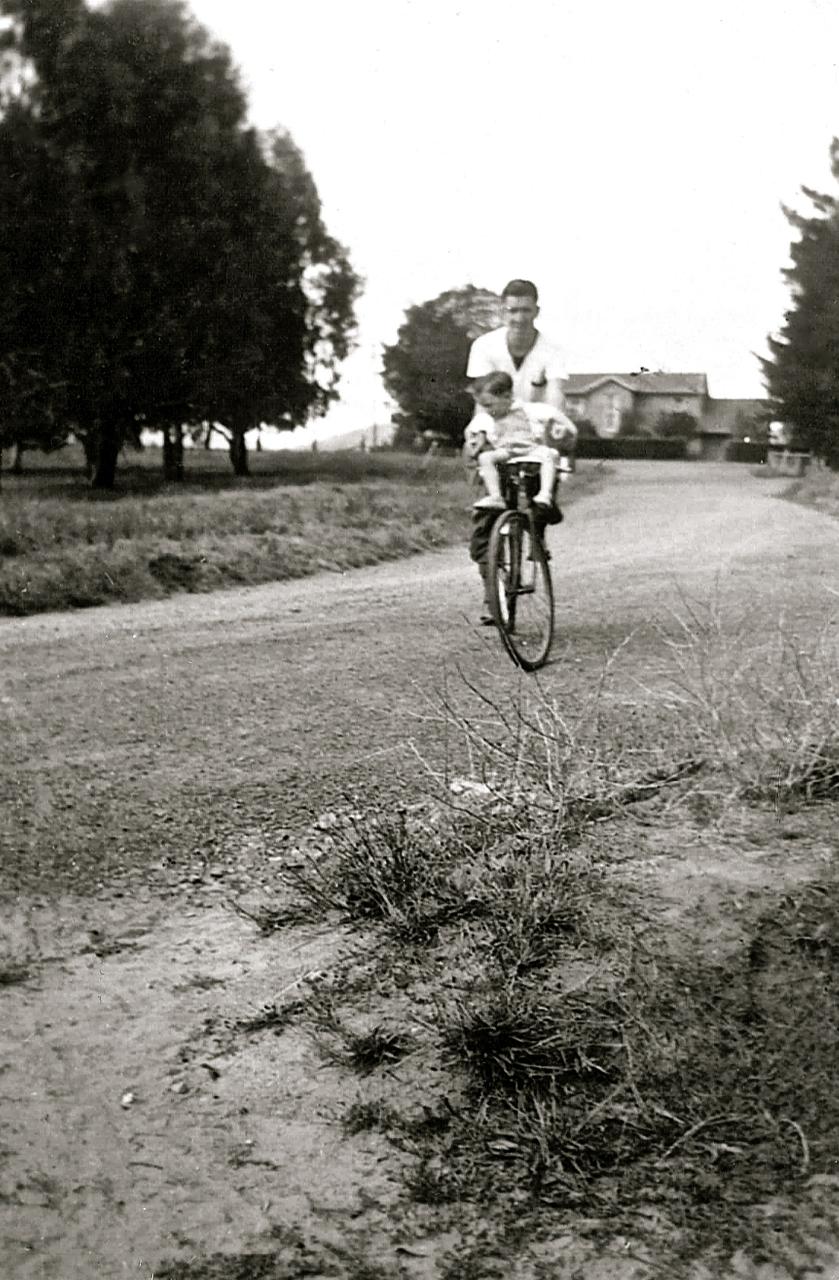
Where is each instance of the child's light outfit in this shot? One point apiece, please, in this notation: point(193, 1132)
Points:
point(520, 433)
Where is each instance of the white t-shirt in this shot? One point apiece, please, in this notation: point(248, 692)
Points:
point(543, 363)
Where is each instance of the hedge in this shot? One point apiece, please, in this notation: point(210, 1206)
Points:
point(632, 447)
point(743, 451)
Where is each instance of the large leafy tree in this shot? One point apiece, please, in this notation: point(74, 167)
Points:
point(425, 369)
point(182, 242)
point(285, 311)
point(31, 378)
point(802, 373)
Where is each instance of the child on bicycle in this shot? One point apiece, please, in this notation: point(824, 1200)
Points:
point(494, 403)
point(503, 428)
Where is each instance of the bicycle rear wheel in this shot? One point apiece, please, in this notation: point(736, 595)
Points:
point(520, 590)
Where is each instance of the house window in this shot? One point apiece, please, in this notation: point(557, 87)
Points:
point(613, 414)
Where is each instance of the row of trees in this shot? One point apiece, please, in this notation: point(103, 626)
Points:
point(162, 263)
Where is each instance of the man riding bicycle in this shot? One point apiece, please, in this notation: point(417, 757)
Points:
point(537, 372)
point(503, 429)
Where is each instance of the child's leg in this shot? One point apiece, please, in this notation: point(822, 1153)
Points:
point(488, 471)
point(547, 475)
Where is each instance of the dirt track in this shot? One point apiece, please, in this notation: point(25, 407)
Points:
point(185, 726)
point(173, 749)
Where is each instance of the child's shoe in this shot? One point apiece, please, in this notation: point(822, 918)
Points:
point(489, 503)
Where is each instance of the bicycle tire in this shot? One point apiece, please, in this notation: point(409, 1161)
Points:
point(520, 590)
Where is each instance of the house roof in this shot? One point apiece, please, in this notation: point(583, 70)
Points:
point(671, 384)
point(722, 417)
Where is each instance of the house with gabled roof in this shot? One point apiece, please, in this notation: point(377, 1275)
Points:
point(641, 401)
point(607, 400)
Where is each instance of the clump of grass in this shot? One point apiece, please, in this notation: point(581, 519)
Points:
point(272, 1016)
point(511, 1042)
point(363, 1051)
point(376, 1116)
point(389, 869)
point(433, 1181)
point(533, 902)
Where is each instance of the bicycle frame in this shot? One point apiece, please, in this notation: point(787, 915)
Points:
point(526, 638)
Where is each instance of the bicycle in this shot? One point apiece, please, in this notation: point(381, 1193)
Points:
point(519, 586)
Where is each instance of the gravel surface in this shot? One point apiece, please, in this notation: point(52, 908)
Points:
point(158, 760)
point(181, 738)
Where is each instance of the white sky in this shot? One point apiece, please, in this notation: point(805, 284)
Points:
point(630, 156)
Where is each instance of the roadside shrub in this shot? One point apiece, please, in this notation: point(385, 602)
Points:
point(753, 451)
point(762, 702)
point(676, 426)
point(633, 448)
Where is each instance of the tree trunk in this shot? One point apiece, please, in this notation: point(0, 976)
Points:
point(106, 459)
point(17, 461)
point(239, 452)
point(173, 454)
point(88, 443)
point(208, 435)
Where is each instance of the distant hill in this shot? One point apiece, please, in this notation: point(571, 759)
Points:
point(272, 439)
point(370, 436)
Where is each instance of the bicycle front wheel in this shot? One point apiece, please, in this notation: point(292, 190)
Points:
point(520, 590)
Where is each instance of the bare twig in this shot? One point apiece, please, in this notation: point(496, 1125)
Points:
point(697, 1128)
point(805, 1146)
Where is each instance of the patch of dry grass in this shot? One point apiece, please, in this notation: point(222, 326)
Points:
point(65, 548)
point(762, 704)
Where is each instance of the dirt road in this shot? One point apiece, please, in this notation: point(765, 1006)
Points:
point(183, 727)
point(156, 759)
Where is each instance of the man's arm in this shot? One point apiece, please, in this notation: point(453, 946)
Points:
point(550, 425)
point(555, 393)
point(556, 374)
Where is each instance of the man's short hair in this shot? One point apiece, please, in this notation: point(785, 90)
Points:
point(520, 289)
point(497, 383)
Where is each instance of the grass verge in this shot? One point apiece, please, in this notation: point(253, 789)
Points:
point(818, 488)
point(65, 548)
